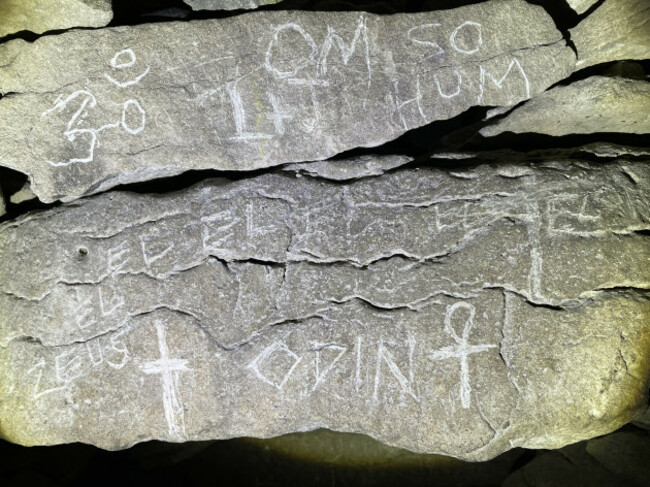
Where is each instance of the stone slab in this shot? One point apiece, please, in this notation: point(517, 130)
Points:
point(594, 105)
point(462, 312)
point(24, 194)
point(616, 30)
point(257, 90)
point(581, 6)
point(228, 4)
point(347, 169)
point(40, 16)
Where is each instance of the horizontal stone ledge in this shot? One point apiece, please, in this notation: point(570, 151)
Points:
point(462, 312)
point(40, 16)
point(228, 4)
point(617, 30)
point(282, 87)
point(598, 104)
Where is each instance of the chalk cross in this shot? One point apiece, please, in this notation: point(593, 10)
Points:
point(462, 350)
point(169, 369)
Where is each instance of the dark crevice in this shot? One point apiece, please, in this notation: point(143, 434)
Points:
point(591, 9)
point(528, 142)
point(563, 15)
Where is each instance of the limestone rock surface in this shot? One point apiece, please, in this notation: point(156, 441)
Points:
point(24, 194)
point(39, 16)
point(228, 4)
point(581, 6)
point(595, 104)
point(617, 30)
point(89, 110)
point(347, 169)
point(460, 312)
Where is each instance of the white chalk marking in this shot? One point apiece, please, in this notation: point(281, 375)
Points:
point(266, 353)
point(276, 36)
point(143, 117)
point(125, 84)
point(278, 116)
point(346, 50)
point(385, 356)
point(151, 258)
point(321, 373)
point(116, 303)
point(117, 257)
point(410, 35)
point(127, 64)
point(417, 100)
point(479, 41)
point(169, 369)
point(239, 116)
point(36, 392)
point(458, 86)
point(462, 350)
point(119, 346)
point(96, 356)
point(357, 377)
point(499, 83)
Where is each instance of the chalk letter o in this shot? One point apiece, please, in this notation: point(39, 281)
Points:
point(269, 53)
point(479, 40)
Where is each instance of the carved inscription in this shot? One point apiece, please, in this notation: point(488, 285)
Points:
point(374, 363)
point(132, 120)
point(169, 369)
point(289, 90)
point(60, 374)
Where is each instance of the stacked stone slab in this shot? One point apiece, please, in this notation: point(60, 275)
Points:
point(463, 305)
point(595, 104)
point(40, 16)
point(282, 87)
point(406, 306)
point(228, 4)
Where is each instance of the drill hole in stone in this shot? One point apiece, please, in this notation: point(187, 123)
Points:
point(83, 252)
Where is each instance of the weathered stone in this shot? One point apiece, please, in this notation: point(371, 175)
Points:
point(614, 150)
point(459, 312)
point(257, 90)
point(24, 194)
point(616, 30)
point(42, 15)
point(347, 169)
point(228, 4)
point(581, 6)
point(595, 104)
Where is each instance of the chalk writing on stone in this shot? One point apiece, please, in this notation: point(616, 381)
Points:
point(289, 90)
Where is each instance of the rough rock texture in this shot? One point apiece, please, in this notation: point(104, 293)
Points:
point(616, 30)
point(24, 194)
point(42, 15)
point(228, 4)
point(460, 312)
point(347, 169)
point(581, 6)
point(614, 150)
point(127, 104)
point(595, 104)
